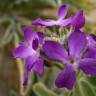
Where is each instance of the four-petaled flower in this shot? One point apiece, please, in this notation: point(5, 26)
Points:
point(62, 12)
point(73, 58)
point(30, 51)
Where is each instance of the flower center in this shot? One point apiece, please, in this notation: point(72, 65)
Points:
point(72, 61)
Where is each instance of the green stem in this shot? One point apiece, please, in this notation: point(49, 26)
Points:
point(70, 94)
point(52, 63)
point(57, 64)
point(21, 74)
point(20, 67)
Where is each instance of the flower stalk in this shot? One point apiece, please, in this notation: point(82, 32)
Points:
point(20, 67)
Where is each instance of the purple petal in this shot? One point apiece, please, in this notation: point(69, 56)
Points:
point(78, 20)
point(39, 66)
point(66, 78)
point(40, 22)
point(92, 36)
point(41, 37)
point(28, 65)
point(90, 53)
point(88, 66)
point(62, 12)
point(28, 33)
point(38, 40)
point(81, 23)
point(37, 22)
point(64, 22)
point(27, 74)
point(23, 51)
point(92, 41)
point(31, 60)
point(32, 37)
point(54, 50)
point(76, 42)
point(35, 43)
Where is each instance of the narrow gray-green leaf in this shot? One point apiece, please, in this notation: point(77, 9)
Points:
point(41, 90)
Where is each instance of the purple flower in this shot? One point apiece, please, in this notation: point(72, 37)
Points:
point(92, 40)
point(62, 12)
point(91, 47)
point(72, 58)
point(30, 51)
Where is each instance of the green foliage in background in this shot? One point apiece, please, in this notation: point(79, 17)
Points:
point(14, 15)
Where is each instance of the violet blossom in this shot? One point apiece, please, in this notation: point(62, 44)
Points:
point(91, 47)
point(72, 58)
point(92, 40)
point(30, 51)
point(62, 12)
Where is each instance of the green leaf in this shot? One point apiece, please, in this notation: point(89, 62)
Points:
point(12, 93)
point(84, 88)
point(88, 89)
point(41, 90)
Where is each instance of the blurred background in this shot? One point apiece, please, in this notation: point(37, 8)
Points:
point(14, 15)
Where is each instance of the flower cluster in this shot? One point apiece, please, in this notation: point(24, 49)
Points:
point(79, 52)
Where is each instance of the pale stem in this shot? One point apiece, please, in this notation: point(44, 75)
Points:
point(20, 67)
